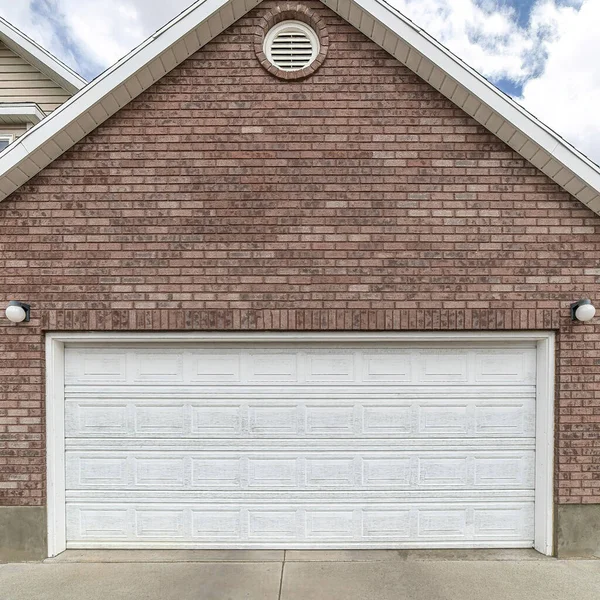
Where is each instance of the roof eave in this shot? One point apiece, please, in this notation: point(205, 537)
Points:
point(21, 112)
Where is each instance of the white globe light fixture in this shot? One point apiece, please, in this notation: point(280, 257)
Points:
point(17, 312)
point(583, 311)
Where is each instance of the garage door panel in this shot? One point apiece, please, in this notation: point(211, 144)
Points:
point(318, 524)
point(329, 366)
point(324, 446)
point(298, 470)
point(157, 524)
point(311, 419)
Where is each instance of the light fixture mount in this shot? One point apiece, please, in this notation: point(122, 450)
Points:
point(18, 312)
point(582, 310)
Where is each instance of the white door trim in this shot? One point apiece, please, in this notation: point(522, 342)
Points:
point(55, 403)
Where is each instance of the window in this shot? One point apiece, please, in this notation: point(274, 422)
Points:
point(5, 140)
point(291, 46)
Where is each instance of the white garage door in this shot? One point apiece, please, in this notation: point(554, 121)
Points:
point(322, 446)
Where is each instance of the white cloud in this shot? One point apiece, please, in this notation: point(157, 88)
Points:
point(485, 37)
point(108, 29)
point(553, 57)
point(566, 95)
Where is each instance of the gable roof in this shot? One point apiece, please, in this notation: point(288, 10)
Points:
point(40, 58)
point(377, 19)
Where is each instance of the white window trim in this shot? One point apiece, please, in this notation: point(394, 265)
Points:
point(7, 137)
point(55, 404)
point(297, 25)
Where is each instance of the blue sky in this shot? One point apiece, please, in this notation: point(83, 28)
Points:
point(541, 52)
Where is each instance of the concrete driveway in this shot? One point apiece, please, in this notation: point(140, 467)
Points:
point(297, 575)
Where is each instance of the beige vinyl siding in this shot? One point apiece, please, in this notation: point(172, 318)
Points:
point(21, 82)
point(15, 130)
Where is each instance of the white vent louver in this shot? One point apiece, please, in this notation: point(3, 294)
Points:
point(291, 46)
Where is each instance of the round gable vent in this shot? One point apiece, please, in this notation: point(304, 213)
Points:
point(291, 46)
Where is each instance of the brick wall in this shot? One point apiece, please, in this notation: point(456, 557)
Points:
point(359, 198)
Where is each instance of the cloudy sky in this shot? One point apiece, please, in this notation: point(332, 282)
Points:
point(544, 53)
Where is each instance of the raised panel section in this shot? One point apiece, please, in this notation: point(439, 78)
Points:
point(159, 472)
point(99, 523)
point(215, 368)
point(95, 366)
point(159, 419)
point(387, 367)
point(216, 524)
point(330, 368)
point(503, 470)
point(158, 367)
point(102, 366)
point(220, 473)
point(271, 524)
point(329, 524)
point(159, 524)
point(272, 473)
point(502, 367)
point(498, 419)
point(272, 367)
point(387, 420)
point(502, 523)
point(96, 471)
point(386, 472)
point(217, 420)
point(443, 366)
point(442, 523)
point(393, 524)
point(275, 420)
point(441, 472)
point(330, 472)
point(442, 419)
point(102, 419)
point(325, 420)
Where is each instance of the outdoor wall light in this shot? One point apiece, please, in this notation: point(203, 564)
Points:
point(17, 312)
point(583, 310)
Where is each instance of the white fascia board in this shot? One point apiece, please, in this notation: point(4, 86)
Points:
point(29, 112)
point(106, 84)
point(40, 58)
point(17, 152)
point(486, 92)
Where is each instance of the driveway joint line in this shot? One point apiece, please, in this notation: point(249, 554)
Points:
point(281, 577)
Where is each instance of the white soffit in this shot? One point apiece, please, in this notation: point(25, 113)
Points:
point(20, 112)
point(377, 19)
point(40, 58)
